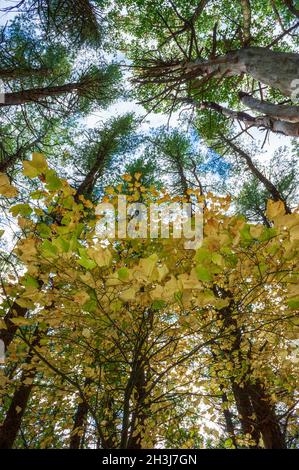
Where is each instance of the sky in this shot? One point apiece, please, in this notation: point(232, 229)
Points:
point(154, 120)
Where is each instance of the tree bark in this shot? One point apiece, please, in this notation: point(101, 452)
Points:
point(87, 185)
point(274, 68)
point(255, 171)
point(7, 334)
point(140, 413)
point(12, 422)
point(79, 420)
point(36, 94)
point(249, 425)
point(275, 125)
point(241, 394)
point(246, 9)
point(15, 73)
point(291, 7)
point(275, 111)
point(230, 428)
point(266, 417)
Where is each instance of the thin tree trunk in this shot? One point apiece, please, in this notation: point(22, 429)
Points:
point(140, 414)
point(12, 423)
point(7, 334)
point(276, 195)
point(291, 7)
point(79, 421)
point(87, 185)
point(36, 94)
point(230, 429)
point(15, 73)
point(275, 125)
point(263, 217)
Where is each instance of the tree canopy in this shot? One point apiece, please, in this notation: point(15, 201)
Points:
point(115, 335)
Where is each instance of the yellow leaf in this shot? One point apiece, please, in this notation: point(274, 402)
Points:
point(256, 231)
point(86, 333)
point(6, 189)
point(81, 297)
point(127, 177)
point(36, 166)
point(28, 247)
point(162, 272)
point(274, 209)
point(39, 161)
point(20, 321)
point(147, 265)
point(27, 381)
point(102, 256)
point(128, 294)
point(294, 233)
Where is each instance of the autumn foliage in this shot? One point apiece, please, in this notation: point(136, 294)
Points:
point(136, 343)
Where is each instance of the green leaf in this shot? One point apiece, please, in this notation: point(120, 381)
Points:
point(90, 305)
point(38, 194)
point(203, 255)
point(68, 202)
point(245, 233)
point(267, 234)
point(30, 281)
point(62, 244)
point(123, 274)
point(87, 263)
point(203, 274)
point(228, 443)
point(294, 303)
point(44, 230)
point(52, 181)
point(158, 304)
point(21, 321)
point(21, 209)
point(49, 249)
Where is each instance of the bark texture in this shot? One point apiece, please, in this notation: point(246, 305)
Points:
point(276, 111)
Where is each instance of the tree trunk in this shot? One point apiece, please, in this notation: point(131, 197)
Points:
point(7, 334)
point(245, 411)
point(291, 7)
point(15, 73)
point(87, 185)
point(276, 111)
point(233, 352)
point(230, 428)
point(36, 94)
point(275, 125)
point(12, 422)
point(140, 413)
point(255, 171)
point(274, 68)
point(79, 421)
point(267, 420)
